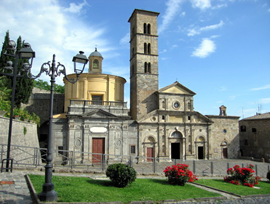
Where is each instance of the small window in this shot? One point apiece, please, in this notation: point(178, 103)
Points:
point(224, 131)
point(149, 29)
point(243, 128)
point(132, 149)
point(163, 117)
point(144, 28)
point(254, 130)
point(96, 99)
point(189, 117)
point(149, 48)
point(145, 48)
point(95, 64)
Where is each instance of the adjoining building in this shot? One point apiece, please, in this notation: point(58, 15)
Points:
point(160, 123)
point(255, 136)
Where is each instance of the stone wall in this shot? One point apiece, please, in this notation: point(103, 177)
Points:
point(23, 134)
point(254, 138)
point(224, 137)
point(39, 103)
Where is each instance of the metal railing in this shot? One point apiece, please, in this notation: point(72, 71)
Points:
point(75, 161)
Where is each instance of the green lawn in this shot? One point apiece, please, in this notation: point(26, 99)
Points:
point(82, 189)
point(264, 187)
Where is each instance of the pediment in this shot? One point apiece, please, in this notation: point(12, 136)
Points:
point(99, 113)
point(176, 88)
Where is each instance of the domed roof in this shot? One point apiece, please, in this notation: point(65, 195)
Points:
point(95, 54)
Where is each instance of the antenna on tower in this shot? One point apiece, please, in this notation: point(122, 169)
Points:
point(259, 108)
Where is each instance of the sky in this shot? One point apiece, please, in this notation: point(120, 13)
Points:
point(219, 49)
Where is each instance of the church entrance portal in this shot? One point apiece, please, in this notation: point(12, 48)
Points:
point(200, 153)
point(98, 147)
point(175, 150)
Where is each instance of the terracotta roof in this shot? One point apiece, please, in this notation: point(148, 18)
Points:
point(259, 116)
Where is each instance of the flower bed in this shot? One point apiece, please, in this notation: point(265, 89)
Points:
point(244, 176)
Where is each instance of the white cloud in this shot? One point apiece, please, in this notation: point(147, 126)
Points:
point(201, 4)
point(50, 30)
point(261, 88)
point(173, 7)
point(197, 31)
point(125, 39)
point(75, 8)
point(223, 88)
point(232, 98)
point(219, 6)
point(264, 101)
point(206, 47)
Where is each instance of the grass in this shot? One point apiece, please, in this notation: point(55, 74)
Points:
point(83, 189)
point(264, 187)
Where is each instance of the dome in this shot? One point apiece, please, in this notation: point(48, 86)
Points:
point(95, 54)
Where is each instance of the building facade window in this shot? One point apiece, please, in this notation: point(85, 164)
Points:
point(147, 28)
point(254, 130)
point(243, 128)
point(132, 149)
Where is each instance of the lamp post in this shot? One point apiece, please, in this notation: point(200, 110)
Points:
point(48, 193)
point(25, 52)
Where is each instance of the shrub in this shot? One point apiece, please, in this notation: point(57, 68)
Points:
point(121, 174)
point(179, 174)
point(244, 176)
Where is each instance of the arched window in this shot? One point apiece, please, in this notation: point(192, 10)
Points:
point(144, 28)
point(145, 48)
point(145, 67)
point(149, 68)
point(149, 48)
point(149, 29)
point(95, 64)
point(176, 134)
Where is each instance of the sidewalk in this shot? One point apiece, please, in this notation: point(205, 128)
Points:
point(14, 190)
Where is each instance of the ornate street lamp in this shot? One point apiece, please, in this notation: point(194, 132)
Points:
point(25, 52)
point(48, 193)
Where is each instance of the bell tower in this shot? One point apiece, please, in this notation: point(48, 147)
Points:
point(143, 62)
point(95, 62)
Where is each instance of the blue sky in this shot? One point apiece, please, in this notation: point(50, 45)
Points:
point(220, 49)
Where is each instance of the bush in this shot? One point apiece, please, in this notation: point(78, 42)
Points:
point(242, 176)
point(121, 174)
point(179, 174)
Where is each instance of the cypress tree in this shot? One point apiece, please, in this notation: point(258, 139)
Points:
point(24, 85)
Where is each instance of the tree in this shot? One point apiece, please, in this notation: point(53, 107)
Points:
point(24, 86)
point(45, 86)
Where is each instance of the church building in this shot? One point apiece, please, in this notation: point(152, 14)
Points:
point(160, 123)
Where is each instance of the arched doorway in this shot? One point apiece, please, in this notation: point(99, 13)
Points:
point(176, 145)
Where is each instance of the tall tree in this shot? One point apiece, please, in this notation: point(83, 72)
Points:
point(24, 86)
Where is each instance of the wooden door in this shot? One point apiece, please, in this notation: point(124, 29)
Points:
point(150, 153)
point(98, 148)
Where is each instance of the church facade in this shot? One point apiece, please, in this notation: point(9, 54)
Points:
point(160, 123)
